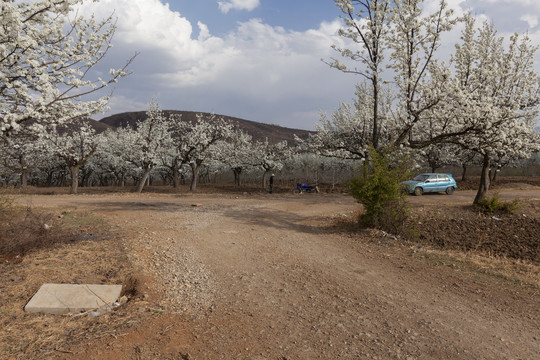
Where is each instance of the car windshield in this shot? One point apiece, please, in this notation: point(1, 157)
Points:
point(421, 177)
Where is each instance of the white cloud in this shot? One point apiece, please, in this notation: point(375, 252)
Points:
point(532, 20)
point(150, 26)
point(531, 4)
point(258, 71)
point(122, 104)
point(249, 5)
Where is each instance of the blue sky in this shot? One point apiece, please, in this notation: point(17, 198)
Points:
point(254, 59)
point(298, 15)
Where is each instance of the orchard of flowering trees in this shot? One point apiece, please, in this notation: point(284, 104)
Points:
point(47, 53)
point(482, 106)
point(159, 147)
point(163, 148)
point(47, 56)
point(479, 109)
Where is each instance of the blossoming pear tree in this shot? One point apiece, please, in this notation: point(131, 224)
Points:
point(171, 159)
point(143, 146)
point(47, 54)
point(74, 144)
point(196, 142)
point(237, 153)
point(497, 92)
point(20, 153)
point(107, 162)
point(271, 156)
point(420, 79)
point(366, 24)
point(391, 39)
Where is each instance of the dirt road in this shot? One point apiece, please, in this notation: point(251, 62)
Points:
point(269, 277)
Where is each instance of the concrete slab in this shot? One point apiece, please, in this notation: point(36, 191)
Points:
point(72, 298)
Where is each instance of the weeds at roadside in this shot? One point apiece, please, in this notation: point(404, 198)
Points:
point(23, 230)
point(494, 205)
point(517, 271)
point(130, 286)
point(64, 251)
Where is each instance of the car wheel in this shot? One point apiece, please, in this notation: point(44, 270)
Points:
point(449, 190)
point(418, 191)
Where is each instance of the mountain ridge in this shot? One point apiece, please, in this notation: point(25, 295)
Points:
point(258, 130)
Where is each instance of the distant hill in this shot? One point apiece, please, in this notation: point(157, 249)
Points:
point(259, 131)
point(98, 125)
point(74, 125)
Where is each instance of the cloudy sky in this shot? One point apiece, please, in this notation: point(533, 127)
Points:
point(254, 59)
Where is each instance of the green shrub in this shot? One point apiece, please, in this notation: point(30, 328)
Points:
point(379, 190)
point(496, 205)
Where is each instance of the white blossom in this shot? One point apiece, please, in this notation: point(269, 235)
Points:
point(46, 54)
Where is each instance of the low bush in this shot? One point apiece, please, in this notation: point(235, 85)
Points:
point(380, 191)
point(494, 205)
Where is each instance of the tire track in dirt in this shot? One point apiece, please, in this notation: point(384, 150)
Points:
point(267, 280)
point(306, 294)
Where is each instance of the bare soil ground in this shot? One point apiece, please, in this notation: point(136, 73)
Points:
point(260, 276)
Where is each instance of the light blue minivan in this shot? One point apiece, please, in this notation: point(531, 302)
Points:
point(431, 182)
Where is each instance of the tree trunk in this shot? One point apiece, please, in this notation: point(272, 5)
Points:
point(494, 177)
point(237, 172)
point(194, 176)
point(50, 177)
point(176, 176)
point(484, 181)
point(494, 173)
point(464, 174)
point(74, 179)
point(24, 178)
point(24, 172)
point(143, 180)
point(266, 172)
point(375, 135)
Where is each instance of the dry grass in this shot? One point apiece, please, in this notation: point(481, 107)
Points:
point(76, 248)
point(23, 230)
point(517, 271)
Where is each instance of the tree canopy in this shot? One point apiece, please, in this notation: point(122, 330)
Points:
point(47, 53)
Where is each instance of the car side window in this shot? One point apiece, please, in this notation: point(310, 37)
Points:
point(433, 178)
